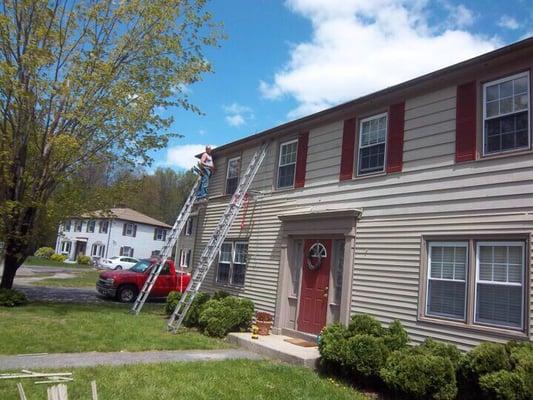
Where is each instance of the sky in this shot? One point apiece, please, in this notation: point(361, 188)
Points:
point(283, 60)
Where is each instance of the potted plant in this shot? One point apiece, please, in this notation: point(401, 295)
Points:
point(263, 321)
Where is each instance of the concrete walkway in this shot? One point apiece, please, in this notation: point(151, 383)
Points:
point(66, 360)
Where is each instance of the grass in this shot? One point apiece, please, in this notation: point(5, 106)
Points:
point(43, 262)
point(81, 279)
point(67, 328)
point(235, 379)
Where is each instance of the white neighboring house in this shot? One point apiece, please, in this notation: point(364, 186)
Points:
point(105, 234)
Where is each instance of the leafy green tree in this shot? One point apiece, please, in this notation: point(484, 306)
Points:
point(81, 81)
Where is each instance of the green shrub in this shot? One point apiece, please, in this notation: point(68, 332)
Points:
point(505, 385)
point(173, 299)
point(220, 294)
point(12, 298)
point(365, 355)
point(435, 348)
point(365, 324)
point(84, 260)
point(332, 346)
point(193, 315)
point(219, 317)
point(396, 336)
point(420, 375)
point(58, 257)
point(483, 359)
point(44, 252)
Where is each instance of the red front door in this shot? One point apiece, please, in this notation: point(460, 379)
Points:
point(315, 281)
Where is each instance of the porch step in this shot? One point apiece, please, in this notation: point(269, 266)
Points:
point(275, 346)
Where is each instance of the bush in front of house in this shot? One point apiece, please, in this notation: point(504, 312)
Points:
point(365, 355)
point(44, 252)
point(12, 298)
point(220, 294)
point(193, 314)
point(58, 257)
point(230, 314)
point(419, 374)
point(84, 260)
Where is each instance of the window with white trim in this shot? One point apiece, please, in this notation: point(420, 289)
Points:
point(372, 144)
point(232, 175)
point(129, 229)
point(492, 277)
point(67, 225)
point(160, 234)
point(189, 226)
point(103, 226)
point(232, 262)
point(185, 258)
point(90, 226)
point(500, 270)
point(97, 250)
point(78, 225)
point(506, 118)
point(287, 164)
point(65, 246)
point(338, 269)
point(446, 288)
point(126, 251)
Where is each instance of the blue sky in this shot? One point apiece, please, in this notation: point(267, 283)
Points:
point(286, 59)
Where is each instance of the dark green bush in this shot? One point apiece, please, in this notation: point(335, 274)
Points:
point(396, 336)
point(84, 260)
point(332, 347)
point(220, 294)
point(483, 359)
point(219, 317)
point(365, 324)
point(505, 385)
point(420, 375)
point(365, 355)
point(440, 349)
point(193, 315)
point(12, 298)
point(44, 252)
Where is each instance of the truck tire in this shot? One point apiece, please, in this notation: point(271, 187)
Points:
point(127, 293)
point(118, 267)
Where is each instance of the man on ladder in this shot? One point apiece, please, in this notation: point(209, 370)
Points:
point(205, 169)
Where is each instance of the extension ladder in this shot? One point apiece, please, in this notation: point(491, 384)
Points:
point(212, 248)
point(167, 249)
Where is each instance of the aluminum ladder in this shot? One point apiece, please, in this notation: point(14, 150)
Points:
point(212, 248)
point(167, 249)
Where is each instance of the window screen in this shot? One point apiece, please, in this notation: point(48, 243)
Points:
point(287, 164)
point(372, 139)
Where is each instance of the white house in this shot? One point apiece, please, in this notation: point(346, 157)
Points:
point(105, 234)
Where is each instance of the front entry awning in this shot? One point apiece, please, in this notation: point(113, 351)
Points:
point(308, 213)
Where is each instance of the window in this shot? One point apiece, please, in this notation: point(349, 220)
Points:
point(232, 175)
point(90, 226)
point(65, 247)
point(287, 164)
point(160, 234)
point(499, 283)
point(446, 290)
point(232, 262)
point(78, 225)
point(129, 230)
point(188, 227)
point(97, 250)
point(188, 259)
point(372, 143)
point(102, 226)
point(155, 253)
point(494, 273)
point(506, 114)
point(67, 225)
point(185, 258)
point(338, 270)
point(126, 251)
point(296, 268)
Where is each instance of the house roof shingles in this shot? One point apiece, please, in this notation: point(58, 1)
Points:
point(126, 214)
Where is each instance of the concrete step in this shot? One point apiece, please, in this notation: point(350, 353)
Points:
point(275, 346)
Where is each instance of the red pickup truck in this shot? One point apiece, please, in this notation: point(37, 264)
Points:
point(124, 285)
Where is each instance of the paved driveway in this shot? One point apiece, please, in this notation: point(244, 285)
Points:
point(61, 295)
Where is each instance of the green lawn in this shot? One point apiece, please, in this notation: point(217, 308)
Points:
point(43, 262)
point(67, 328)
point(236, 379)
point(85, 278)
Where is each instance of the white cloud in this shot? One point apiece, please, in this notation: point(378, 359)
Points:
point(183, 156)
point(237, 114)
point(459, 15)
point(360, 46)
point(508, 22)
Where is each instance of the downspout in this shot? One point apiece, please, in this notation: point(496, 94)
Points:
point(108, 237)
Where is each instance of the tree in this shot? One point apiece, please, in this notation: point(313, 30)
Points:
point(82, 81)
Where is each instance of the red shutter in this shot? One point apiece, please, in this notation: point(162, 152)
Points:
point(348, 149)
point(395, 139)
point(465, 122)
point(301, 160)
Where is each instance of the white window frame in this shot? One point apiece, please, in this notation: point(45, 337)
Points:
point(129, 224)
point(515, 243)
point(281, 145)
point(185, 258)
point(129, 253)
point(360, 136)
point(227, 173)
point(160, 234)
point(232, 263)
point(495, 82)
point(92, 223)
point(188, 226)
point(68, 223)
point(66, 246)
point(76, 222)
point(428, 278)
point(101, 224)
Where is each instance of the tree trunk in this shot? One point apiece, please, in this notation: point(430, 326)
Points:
point(12, 262)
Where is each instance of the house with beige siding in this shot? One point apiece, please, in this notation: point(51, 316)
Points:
point(412, 203)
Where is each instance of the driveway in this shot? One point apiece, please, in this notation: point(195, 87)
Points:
point(61, 295)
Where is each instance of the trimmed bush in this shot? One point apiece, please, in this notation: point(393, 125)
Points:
point(58, 257)
point(365, 324)
point(12, 298)
point(220, 294)
point(44, 252)
point(173, 299)
point(396, 336)
point(483, 359)
point(219, 317)
point(84, 260)
point(332, 346)
point(193, 315)
point(365, 355)
point(440, 349)
point(420, 375)
point(505, 385)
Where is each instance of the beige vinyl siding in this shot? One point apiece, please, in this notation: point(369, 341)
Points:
point(432, 195)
